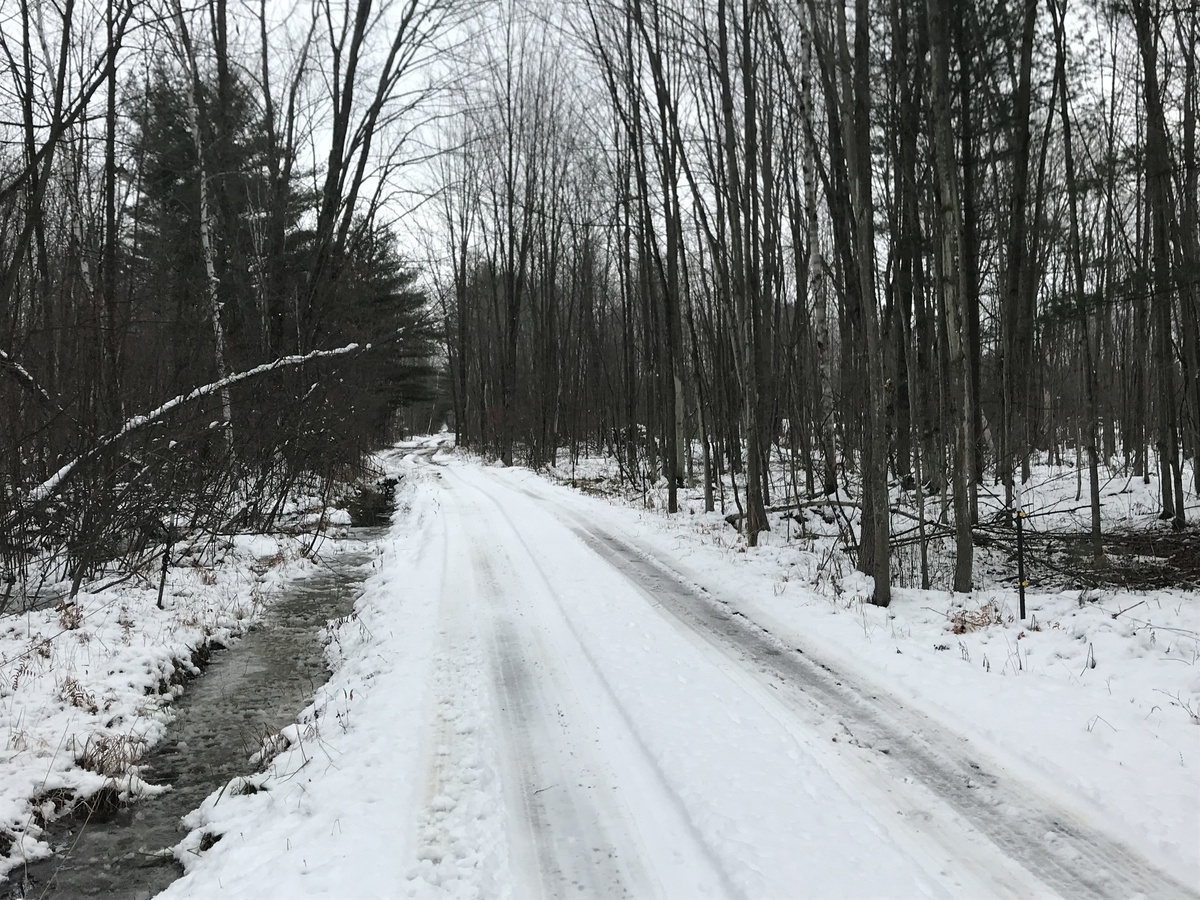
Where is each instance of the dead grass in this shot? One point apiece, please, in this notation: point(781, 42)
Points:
point(207, 840)
point(109, 755)
point(963, 621)
point(72, 692)
point(70, 615)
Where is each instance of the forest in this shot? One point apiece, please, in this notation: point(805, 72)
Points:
point(895, 251)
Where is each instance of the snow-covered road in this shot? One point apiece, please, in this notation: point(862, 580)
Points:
point(575, 716)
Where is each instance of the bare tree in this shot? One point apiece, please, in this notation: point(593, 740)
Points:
point(185, 52)
point(953, 292)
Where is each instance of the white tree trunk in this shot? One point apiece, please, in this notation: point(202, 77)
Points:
point(187, 56)
point(816, 278)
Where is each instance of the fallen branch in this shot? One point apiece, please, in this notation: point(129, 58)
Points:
point(908, 537)
point(814, 504)
point(21, 374)
point(54, 483)
point(1120, 612)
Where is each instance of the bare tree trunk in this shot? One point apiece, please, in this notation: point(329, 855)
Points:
point(1090, 429)
point(1188, 33)
point(817, 278)
point(111, 372)
point(874, 555)
point(970, 246)
point(1162, 215)
point(951, 276)
point(743, 294)
point(187, 56)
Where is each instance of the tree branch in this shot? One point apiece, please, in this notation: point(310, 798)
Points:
point(54, 483)
point(21, 374)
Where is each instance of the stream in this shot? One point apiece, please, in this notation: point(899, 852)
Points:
point(261, 683)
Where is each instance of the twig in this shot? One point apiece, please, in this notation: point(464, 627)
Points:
point(1145, 623)
point(1128, 608)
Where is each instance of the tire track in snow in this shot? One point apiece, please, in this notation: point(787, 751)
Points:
point(713, 878)
point(1068, 857)
point(571, 851)
point(563, 838)
point(460, 842)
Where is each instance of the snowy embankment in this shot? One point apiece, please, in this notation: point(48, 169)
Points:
point(1094, 698)
point(493, 663)
point(337, 795)
point(86, 688)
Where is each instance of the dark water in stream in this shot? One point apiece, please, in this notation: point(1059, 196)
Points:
point(262, 682)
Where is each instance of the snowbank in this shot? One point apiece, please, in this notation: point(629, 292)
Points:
point(86, 688)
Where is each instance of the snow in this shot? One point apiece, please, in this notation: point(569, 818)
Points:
point(514, 714)
point(1100, 712)
point(85, 689)
point(334, 816)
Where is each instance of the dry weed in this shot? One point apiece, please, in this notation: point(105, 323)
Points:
point(109, 755)
point(18, 740)
point(70, 616)
point(963, 621)
point(71, 691)
point(126, 622)
point(22, 670)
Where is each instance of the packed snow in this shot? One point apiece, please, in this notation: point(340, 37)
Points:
point(521, 707)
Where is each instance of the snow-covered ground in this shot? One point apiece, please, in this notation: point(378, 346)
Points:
point(545, 693)
point(86, 688)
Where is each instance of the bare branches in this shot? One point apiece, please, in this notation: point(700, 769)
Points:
point(49, 487)
point(27, 381)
